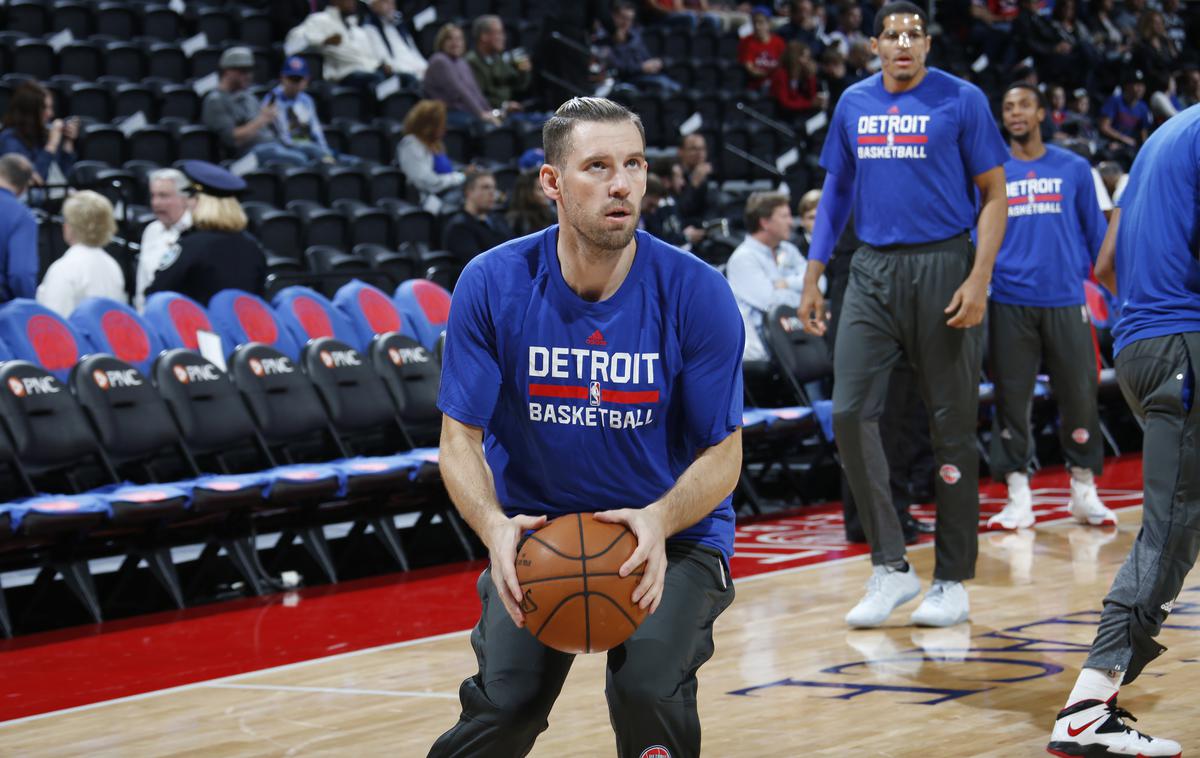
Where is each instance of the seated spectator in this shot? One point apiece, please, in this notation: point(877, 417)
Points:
point(834, 75)
point(803, 26)
point(1154, 52)
point(1187, 85)
point(628, 57)
point(240, 121)
point(794, 84)
point(529, 210)
point(698, 200)
point(393, 43)
point(169, 201)
point(670, 175)
point(1125, 118)
point(31, 130)
point(531, 160)
point(766, 270)
point(296, 120)
point(1072, 58)
point(991, 30)
point(759, 52)
point(806, 211)
point(347, 55)
point(1109, 39)
point(1127, 18)
point(849, 28)
point(1058, 106)
point(659, 218)
point(477, 228)
point(503, 77)
point(449, 79)
point(1174, 24)
point(85, 270)
point(421, 154)
point(1079, 123)
point(18, 230)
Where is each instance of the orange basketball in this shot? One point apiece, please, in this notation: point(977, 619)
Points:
point(575, 601)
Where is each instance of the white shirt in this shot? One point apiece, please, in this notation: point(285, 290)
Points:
point(353, 53)
point(156, 238)
point(752, 270)
point(403, 57)
point(80, 273)
point(416, 161)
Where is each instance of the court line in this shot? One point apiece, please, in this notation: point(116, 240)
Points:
point(328, 690)
point(419, 641)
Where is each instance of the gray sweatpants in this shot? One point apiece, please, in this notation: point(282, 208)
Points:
point(894, 310)
point(651, 681)
point(1019, 337)
point(1157, 377)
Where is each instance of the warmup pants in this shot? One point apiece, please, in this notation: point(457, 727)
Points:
point(651, 681)
point(1019, 337)
point(893, 311)
point(1157, 377)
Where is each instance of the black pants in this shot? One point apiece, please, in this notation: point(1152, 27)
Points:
point(1020, 336)
point(651, 682)
point(894, 310)
point(1157, 377)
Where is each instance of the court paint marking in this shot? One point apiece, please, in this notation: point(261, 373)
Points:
point(328, 690)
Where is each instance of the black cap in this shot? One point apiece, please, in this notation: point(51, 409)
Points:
point(1133, 75)
point(211, 179)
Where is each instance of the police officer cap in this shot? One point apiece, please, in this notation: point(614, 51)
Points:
point(211, 179)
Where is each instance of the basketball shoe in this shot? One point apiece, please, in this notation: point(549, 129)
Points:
point(1018, 511)
point(1085, 505)
point(1094, 729)
point(945, 604)
point(887, 590)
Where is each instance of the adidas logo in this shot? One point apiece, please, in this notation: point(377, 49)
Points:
point(597, 339)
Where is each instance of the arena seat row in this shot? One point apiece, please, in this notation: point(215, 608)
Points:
point(219, 23)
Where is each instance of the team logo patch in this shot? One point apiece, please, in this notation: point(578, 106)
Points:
point(169, 257)
point(225, 486)
point(17, 386)
point(101, 379)
point(327, 359)
point(181, 374)
point(58, 506)
point(655, 751)
point(594, 393)
point(256, 366)
point(1081, 436)
point(950, 474)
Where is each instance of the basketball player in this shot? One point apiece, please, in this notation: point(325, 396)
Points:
point(1037, 310)
point(904, 148)
point(1157, 341)
point(592, 367)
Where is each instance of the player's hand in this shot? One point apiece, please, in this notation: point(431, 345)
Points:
point(968, 304)
point(812, 310)
point(651, 551)
point(501, 540)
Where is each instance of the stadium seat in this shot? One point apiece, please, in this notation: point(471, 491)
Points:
point(303, 183)
point(346, 183)
point(321, 226)
point(116, 20)
point(81, 58)
point(161, 22)
point(152, 143)
point(37, 334)
point(35, 58)
point(75, 16)
point(411, 373)
point(413, 224)
point(101, 142)
point(240, 318)
point(217, 24)
point(89, 101)
point(309, 315)
point(345, 103)
point(427, 307)
point(27, 16)
point(166, 60)
point(178, 101)
point(366, 224)
point(370, 313)
point(205, 60)
point(132, 98)
point(397, 266)
point(117, 330)
point(281, 232)
point(369, 143)
point(262, 185)
point(175, 319)
point(335, 266)
point(386, 181)
point(196, 142)
point(254, 27)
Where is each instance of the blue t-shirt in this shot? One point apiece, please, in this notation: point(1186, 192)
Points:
point(1158, 236)
point(1054, 231)
point(1126, 119)
point(913, 156)
point(594, 406)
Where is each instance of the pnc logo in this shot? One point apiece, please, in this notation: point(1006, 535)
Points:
point(124, 378)
point(205, 372)
point(340, 358)
point(33, 385)
point(403, 355)
point(16, 386)
point(271, 366)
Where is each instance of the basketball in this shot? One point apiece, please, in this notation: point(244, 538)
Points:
point(574, 599)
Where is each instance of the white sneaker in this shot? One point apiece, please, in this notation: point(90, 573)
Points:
point(887, 590)
point(1086, 507)
point(1017, 513)
point(945, 604)
point(1093, 728)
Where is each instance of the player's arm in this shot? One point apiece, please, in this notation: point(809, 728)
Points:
point(1105, 269)
point(833, 211)
point(469, 482)
point(969, 302)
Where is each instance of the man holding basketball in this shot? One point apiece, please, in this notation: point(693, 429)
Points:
point(594, 368)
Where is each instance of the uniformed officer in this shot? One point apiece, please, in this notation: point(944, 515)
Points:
point(217, 253)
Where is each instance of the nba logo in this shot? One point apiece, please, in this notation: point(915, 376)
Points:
point(594, 393)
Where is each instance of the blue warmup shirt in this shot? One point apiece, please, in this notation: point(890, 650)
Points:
point(594, 406)
point(1158, 236)
point(1054, 231)
point(913, 156)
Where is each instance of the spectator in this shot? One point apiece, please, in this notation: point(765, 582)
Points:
point(1174, 24)
point(1130, 15)
point(421, 154)
point(1109, 39)
point(1154, 52)
point(1058, 106)
point(503, 77)
point(658, 217)
point(240, 121)
point(671, 177)
point(760, 51)
point(169, 201)
point(477, 227)
point(698, 198)
point(392, 42)
point(991, 29)
point(31, 130)
point(794, 84)
point(529, 210)
point(1125, 117)
point(18, 230)
point(1188, 86)
point(803, 26)
point(806, 210)
point(1079, 122)
point(85, 270)
point(628, 57)
point(834, 75)
point(1071, 59)
point(766, 270)
point(296, 120)
point(347, 55)
point(849, 31)
point(450, 80)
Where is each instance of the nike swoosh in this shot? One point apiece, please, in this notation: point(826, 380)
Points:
point(1077, 732)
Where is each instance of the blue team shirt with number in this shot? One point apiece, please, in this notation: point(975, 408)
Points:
point(1054, 231)
point(1158, 235)
point(913, 156)
point(590, 406)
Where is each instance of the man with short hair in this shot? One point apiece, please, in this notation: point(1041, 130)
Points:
point(698, 198)
point(169, 201)
point(18, 231)
point(476, 227)
point(906, 151)
point(240, 121)
point(503, 77)
point(1125, 117)
point(393, 42)
point(657, 449)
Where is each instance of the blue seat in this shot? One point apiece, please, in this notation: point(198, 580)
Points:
point(115, 328)
point(370, 312)
point(427, 306)
point(240, 318)
point(309, 315)
point(37, 334)
point(176, 319)
point(25, 515)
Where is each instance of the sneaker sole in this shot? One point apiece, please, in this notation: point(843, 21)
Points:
point(996, 526)
point(929, 625)
point(1075, 750)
